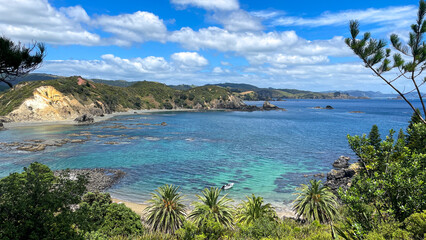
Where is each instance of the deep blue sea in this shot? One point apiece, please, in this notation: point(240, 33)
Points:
point(265, 153)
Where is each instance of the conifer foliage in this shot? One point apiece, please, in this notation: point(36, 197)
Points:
point(17, 59)
point(381, 61)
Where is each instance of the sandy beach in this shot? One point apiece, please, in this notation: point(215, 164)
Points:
point(140, 207)
point(96, 118)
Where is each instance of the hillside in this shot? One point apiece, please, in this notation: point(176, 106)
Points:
point(67, 98)
point(253, 93)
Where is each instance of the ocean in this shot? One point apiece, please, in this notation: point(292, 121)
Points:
point(268, 153)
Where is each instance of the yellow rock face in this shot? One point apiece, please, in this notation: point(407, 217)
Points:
point(48, 104)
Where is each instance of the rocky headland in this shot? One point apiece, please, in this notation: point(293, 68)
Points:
point(75, 98)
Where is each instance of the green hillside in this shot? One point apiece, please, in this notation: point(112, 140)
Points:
point(253, 93)
point(140, 95)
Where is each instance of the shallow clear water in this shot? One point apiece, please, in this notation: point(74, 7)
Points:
point(265, 153)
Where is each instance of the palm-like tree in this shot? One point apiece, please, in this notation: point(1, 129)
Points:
point(212, 207)
point(166, 213)
point(253, 209)
point(315, 202)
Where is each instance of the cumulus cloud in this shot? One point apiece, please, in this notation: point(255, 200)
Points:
point(136, 27)
point(225, 5)
point(28, 20)
point(77, 13)
point(239, 20)
point(223, 40)
point(189, 60)
point(262, 47)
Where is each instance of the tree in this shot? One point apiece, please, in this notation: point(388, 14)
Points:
point(212, 207)
point(166, 212)
point(253, 209)
point(390, 184)
point(315, 202)
point(375, 57)
point(121, 221)
point(16, 59)
point(374, 136)
point(37, 205)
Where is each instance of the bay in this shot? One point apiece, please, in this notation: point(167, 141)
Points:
point(268, 153)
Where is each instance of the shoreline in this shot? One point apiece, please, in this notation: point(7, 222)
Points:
point(97, 119)
point(138, 208)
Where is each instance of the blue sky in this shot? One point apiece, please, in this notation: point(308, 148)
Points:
point(268, 43)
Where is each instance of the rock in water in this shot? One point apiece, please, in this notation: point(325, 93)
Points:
point(328, 107)
point(339, 178)
point(269, 106)
point(85, 119)
point(341, 162)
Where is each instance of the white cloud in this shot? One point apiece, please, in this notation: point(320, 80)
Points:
point(224, 41)
point(189, 60)
point(136, 27)
point(28, 20)
point(77, 13)
point(239, 20)
point(390, 15)
point(225, 5)
point(266, 14)
point(261, 47)
point(282, 60)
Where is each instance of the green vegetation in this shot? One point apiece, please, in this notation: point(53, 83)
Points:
point(37, 205)
point(375, 57)
point(253, 93)
point(316, 202)
point(166, 212)
point(140, 95)
point(212, 207)
point(17, 60)
point(254, 209)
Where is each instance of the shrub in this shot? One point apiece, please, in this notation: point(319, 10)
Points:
point(121, 221)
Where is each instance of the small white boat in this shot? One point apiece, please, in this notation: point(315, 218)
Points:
point(227, 186)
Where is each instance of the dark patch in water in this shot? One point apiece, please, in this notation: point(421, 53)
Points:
point(287, 183)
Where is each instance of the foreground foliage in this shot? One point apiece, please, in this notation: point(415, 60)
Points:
point(166, 212)
point(212, 207)
point(390, 187)
point(35, 204)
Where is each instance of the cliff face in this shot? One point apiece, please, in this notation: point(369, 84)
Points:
point(48, 104)
point(68, 98)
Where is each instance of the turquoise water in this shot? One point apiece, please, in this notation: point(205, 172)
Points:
point(265, 153)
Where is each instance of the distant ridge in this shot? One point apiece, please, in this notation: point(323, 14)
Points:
point(29, 78)
point(242, 90)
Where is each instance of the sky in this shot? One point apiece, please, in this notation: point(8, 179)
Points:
point(268, 43)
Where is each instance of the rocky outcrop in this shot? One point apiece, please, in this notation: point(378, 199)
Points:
point(269, 106)
point(341, 178)
point(85, 119)
point(326, 107)
point(1, 126)
point(99, 179)
point(341, 162)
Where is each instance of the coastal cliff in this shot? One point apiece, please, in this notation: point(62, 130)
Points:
point(68, 98)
